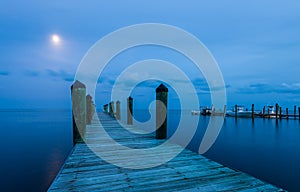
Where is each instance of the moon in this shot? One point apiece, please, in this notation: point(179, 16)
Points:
point(55, 39)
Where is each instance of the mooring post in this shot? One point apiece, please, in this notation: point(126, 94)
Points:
point(299, 113)
point(287, 113)
point(129, 110)
point(295, 111)
point(264, 111)
point(213, 110)
point(252, 111)
point(161, 111)
point(268, 112)
point(105, 108)
point(78, 92)
point(280, 112)
point(111, 109)
point(235, 111)
point(276, 111)
point(90, 109)
point(118, 111)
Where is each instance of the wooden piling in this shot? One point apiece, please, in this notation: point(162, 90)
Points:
point(129, 110)
point(252, 111)
point(276, 111)
point(287, 113)
point(235, 111)
point(118, 111)
point(295, 111)
point(280, 112)
point(264, 112)
point(268, 112)
point(161, 111)
point(78, 92)
point(90, 109)
point(299, 113)
point(105, 108)
point(111, 109)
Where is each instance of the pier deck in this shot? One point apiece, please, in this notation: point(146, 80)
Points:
point(189, 171)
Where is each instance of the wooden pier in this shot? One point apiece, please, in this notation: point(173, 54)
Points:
point(189, 171)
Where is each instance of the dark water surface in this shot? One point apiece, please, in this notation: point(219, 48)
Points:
point(34, 145)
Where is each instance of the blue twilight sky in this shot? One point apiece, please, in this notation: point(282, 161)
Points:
point(256, 44)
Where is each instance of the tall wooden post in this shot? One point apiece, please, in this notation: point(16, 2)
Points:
point(235, 111)
point(252, 111)
point(295, 111)
point(78, 92)
point(299, 113)
point(111, 109)
point(280, 112)
point(268, 112)
point(225, 107)
point(118, 111)
point(161, 111)
point(90, 109)
point(287, 113)
point(264, 111)
point(105, 108)
point(276, 111)
point(129, 110)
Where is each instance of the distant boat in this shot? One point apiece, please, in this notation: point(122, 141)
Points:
point(204, 110)
point(239, 112)
point(270, 112)
point(196, 112)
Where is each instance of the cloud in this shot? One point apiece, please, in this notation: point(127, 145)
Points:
point(105, 79)
point(31, 73)
point(69, 79)
point(60, 75)
point(200, 84)
point(203, 88)
point(4, 73)
point(150, 83)
point(264, 88)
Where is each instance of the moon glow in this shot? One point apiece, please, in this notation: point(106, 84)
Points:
point(55, 39)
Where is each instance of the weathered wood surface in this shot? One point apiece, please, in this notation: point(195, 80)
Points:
point(85, 171)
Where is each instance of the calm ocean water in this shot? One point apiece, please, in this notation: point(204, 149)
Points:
point(34, 145)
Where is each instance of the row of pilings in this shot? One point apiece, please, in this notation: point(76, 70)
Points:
point(83, 109)
point(161, 110)
point(267, 112)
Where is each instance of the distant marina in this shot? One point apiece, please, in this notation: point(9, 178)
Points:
point(240, 111)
